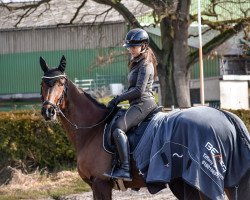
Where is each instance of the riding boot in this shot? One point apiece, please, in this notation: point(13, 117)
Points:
point(122, 146)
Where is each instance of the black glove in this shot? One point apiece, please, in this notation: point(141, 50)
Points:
point(114, 102)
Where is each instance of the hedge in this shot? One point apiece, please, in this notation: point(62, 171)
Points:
point(244, 115)
point(27, 140)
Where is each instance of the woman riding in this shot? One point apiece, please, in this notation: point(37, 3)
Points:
point(142, 71)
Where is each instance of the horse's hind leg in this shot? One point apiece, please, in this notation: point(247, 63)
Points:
point(240, 192)
point(184, 191)
point(243, 191)
point(231, 193)
point(202, 196)
point(191, 193)
point(177, 187)
point(102, 190)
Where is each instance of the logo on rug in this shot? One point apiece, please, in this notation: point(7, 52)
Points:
point(177, 155)
point(216, 155)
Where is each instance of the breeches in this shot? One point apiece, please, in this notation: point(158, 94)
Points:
point(134, 115)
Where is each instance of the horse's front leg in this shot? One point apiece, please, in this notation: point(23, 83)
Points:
point(102, 190)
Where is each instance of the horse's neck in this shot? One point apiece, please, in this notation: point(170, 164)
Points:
point(82, 112)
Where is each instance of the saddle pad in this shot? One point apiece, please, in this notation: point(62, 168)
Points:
point(208, 148)
point(134, 134)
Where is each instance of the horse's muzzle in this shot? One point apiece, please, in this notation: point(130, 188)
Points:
point(48, 112)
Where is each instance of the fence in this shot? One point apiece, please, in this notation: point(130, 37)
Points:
point(100, 81)
point(86, 84)
point(101, 85)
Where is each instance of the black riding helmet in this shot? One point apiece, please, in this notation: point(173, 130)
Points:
point(136, 37)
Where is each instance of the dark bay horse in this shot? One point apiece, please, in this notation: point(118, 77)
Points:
point(83, 119)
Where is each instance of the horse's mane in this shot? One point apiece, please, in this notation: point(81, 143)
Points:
point(94, 100)
point(89, 96)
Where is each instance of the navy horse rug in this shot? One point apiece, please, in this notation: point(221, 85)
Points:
point(208, 148)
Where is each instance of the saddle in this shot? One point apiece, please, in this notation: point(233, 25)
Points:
point(134, 134)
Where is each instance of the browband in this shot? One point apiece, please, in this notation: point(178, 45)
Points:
point(62, 75)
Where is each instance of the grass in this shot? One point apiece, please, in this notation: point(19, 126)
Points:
point(42, 185)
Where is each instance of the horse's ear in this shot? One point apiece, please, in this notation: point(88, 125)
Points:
point(43, 65)
point(62, 64)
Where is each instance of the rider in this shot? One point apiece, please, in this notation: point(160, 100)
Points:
point(142, 71)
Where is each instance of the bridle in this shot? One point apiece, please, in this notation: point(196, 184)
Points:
point(50, 82)
point(60, 100)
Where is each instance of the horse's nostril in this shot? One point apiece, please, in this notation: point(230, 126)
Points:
point(52, 113)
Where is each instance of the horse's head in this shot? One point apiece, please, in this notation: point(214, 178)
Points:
point(53, 88)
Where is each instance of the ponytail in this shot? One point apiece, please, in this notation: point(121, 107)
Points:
point(150, 56)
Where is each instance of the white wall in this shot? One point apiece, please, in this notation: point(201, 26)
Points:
point(234, 94)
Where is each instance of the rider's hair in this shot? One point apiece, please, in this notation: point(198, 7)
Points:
point(149, 56)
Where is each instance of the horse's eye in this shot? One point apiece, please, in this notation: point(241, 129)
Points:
point(50, 83)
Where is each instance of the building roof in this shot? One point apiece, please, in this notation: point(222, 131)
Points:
point(63, 11)
point(58, 12)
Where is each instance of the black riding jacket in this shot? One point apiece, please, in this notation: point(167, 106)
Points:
point(140, 78)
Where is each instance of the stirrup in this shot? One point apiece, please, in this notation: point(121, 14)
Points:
point(109, 173)
point(111, 176)
point(121, 176)
point(128, 179)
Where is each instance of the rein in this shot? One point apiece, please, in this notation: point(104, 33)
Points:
point(59, 111)
point(83, 127)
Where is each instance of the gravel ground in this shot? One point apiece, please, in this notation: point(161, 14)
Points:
point(143, 194)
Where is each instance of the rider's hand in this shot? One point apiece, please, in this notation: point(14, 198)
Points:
point(113, 103)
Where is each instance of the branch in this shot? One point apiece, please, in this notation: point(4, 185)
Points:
point(77, 11)
point(24, 6)
point(27, 7)
point(221, 25)
point(26, 14)
point(223, 9)
point(218, 40)
point(203, 32)
point(75, 15)
point(128, 16)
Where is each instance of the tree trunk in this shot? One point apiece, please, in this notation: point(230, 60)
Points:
point(173, 72)
point(165, 65)
point(181, 73)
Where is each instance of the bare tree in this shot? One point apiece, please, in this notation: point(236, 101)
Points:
point(173, 18)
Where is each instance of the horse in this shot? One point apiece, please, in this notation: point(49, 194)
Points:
point(83, 119)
